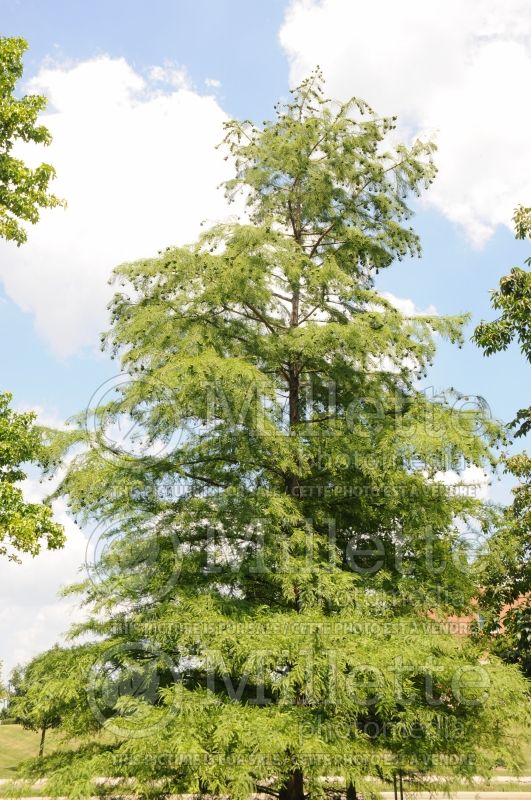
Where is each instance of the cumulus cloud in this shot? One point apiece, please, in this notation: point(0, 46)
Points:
point(32, 616)
point(473, 481)
point(171, 74)
point(137, 164)
point(407, 306)
point(44, 417)
point(457, 70)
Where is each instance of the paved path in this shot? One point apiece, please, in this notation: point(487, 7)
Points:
point(462, 795)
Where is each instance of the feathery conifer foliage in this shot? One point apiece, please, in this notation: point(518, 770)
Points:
point(279, 560)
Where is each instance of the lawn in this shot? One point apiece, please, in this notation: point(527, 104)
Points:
point(16, 745)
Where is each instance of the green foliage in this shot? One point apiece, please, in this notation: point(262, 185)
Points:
point(504, 571)
point(513, 300)
point(23, 190)
point(49, 690)
point(33, 702)
point(322, 171)
point(278, 559)
point(522, 222)
point(514, 643)
point(505, 566)
point(23, 526)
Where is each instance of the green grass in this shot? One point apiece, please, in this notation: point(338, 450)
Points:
point(522, 739)
point(16, 744)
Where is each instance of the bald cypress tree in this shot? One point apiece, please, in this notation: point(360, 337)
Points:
point(270, 605)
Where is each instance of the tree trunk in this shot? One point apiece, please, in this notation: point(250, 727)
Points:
point(293, 789)
point(351, 792)
point(41, 746)
point(294, 398)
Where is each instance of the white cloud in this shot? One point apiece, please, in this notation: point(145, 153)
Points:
point(171, 74)
point(213, 82)
point(460, 69)
point(473, 481)
point(137, 164)
point(32, 616)
point(407, 306)
point(46, 418)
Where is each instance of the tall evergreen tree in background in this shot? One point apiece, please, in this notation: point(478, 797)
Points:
point(280, 560)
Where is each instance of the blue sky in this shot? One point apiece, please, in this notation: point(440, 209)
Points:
point(237, 43)
point(238, 58)
point(212, 39)
point(232, 40)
